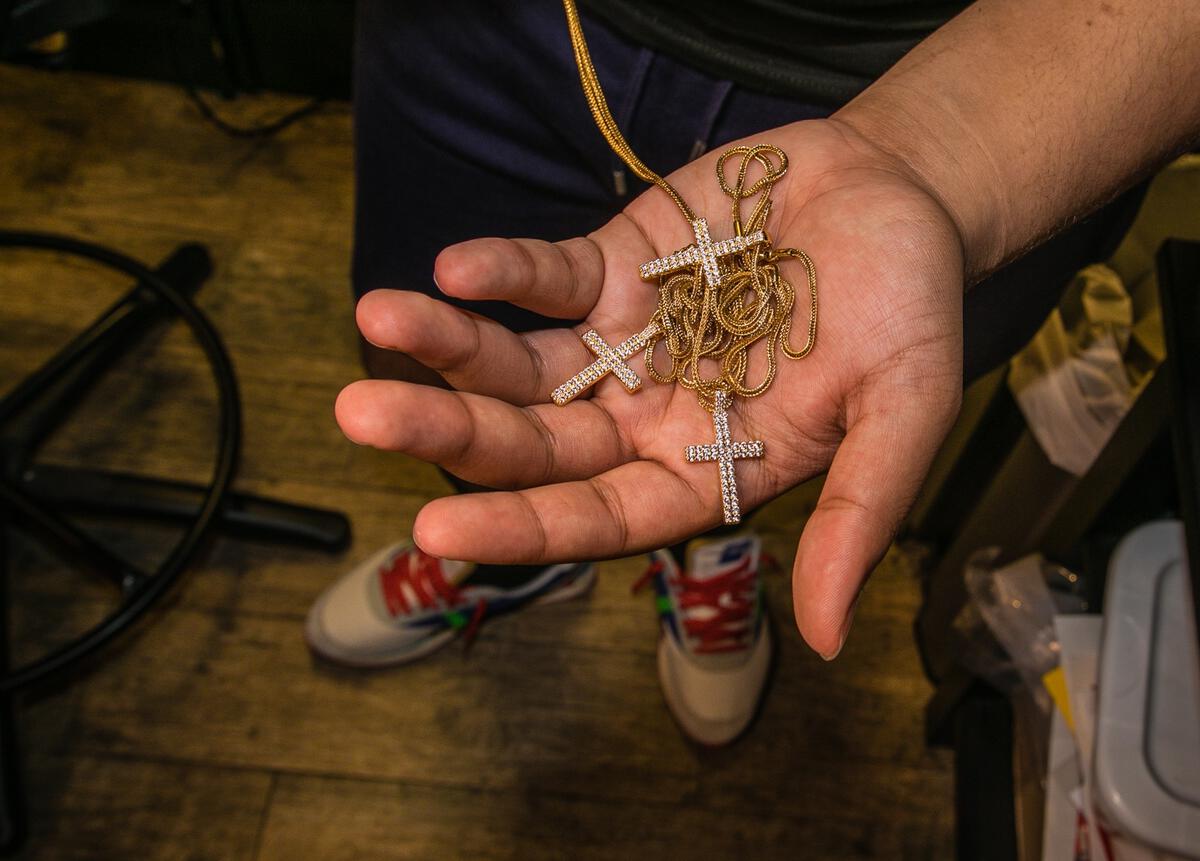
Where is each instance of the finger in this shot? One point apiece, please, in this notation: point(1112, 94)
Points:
point(619, 512)
point(873, 481)
point(558, 279)
point(481, 439)
point(472, 353)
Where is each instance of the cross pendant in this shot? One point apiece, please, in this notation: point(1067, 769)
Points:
point(609, 360)
point(724, 451)
point(705, 252)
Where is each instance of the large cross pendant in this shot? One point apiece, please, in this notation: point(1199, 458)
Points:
point(705, 252)
point(609, 360)
point(724, 452)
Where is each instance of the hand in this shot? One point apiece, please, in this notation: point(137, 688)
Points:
point(605, 476)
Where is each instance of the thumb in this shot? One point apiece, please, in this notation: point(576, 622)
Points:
point(872, 483)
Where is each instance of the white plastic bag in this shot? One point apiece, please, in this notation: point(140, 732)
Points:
point(1070, 381)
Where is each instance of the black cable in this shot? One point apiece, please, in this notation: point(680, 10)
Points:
point(138, 601)
point(262, 130)
point(259, 130)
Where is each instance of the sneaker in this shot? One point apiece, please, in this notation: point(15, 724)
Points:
point(715, 646)
point(403, 604)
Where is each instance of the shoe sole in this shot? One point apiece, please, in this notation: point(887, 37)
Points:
point(681, 716)
point(320, 646)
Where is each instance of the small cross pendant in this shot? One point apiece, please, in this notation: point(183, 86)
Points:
point(705, 252)
point(609, 360)
point(724, 452)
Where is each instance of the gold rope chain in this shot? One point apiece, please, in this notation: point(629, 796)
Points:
point(713, 322)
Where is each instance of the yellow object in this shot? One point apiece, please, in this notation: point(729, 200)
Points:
point(1171, 210)
point(1055, 682)
point(55, 43)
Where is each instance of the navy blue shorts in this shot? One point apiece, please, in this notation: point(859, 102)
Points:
point(469, 122)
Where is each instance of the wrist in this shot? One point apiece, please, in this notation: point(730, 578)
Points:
point(951, 167)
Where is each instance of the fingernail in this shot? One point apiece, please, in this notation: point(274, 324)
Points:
point(831, 655)
point(845, 632)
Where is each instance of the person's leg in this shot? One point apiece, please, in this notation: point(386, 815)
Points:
point(461, 131)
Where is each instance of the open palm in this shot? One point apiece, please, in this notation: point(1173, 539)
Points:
point(605, 475)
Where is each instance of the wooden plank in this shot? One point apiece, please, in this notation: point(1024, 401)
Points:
point(297, 325)
point(241, 690)
point(269, 580)
point(335, 819)
point(161, 420)
point(169, 166)
point(83, 808)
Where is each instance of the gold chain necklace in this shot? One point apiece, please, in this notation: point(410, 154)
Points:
point(716, 299)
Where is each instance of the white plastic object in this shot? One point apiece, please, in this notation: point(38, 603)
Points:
point(1147, 756)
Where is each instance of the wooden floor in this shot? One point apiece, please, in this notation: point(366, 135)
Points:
point(211, 733)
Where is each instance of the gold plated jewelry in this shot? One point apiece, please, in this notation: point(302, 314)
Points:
point(724, 452)
point(716, 299)
point(609, 360)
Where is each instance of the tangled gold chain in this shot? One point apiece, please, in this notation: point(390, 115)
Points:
point(713, 327)
point(753, 301)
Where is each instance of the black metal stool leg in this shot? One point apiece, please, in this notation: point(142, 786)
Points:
point(90, 491)
point(42, 496)
point(47, 396)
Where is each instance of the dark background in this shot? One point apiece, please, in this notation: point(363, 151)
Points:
point(290, 46)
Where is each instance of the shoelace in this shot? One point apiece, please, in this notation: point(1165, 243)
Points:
point(729, 598)
point(423, 575)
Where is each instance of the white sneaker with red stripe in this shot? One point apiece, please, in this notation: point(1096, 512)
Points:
point(401, 604)
point(714, 650)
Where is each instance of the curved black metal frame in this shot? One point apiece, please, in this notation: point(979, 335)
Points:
point(141, 592)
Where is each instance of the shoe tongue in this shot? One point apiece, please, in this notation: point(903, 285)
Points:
point(707, 558)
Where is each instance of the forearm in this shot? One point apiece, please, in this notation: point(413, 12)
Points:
point(1022, 115)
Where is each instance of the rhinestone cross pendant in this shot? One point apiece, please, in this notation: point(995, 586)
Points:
point(705, 252)
point(724, 452)
point(609, 360)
